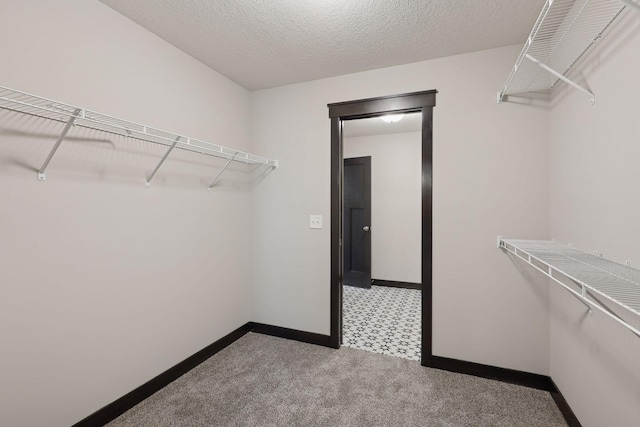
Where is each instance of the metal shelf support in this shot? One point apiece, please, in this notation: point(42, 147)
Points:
point(42, 176)
point(564, 33)
point(148, 183)
point(37, 106)
point(549, 271)
point(561, 77)
point(215, 180)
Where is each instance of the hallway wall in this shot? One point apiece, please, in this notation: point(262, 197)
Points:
point(396, 202)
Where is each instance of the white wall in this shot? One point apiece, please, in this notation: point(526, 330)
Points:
point(490, 179)
point(104, 283)
point(594, 205)
point(396, 202)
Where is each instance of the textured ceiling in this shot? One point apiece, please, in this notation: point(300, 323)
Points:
point(267, 43)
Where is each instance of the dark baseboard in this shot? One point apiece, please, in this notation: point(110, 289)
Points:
point(129, 400)
point(564, 407)
point(394, 284)
point(293, 334)
point(512, 376)
point(527, 379)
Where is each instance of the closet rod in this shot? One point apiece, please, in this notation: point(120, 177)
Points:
point(563, 34)
point(620, 287)
point(25, 103)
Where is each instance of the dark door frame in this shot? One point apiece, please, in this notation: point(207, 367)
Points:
point(364, 108)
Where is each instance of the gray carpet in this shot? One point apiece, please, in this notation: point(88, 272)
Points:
point(265, 381)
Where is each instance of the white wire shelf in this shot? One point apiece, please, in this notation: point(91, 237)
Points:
point(562, 35)
point(22, 102)
point(596, 277)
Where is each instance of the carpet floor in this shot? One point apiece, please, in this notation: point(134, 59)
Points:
point(265, 381)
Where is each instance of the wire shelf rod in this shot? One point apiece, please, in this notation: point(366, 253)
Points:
point(622, 286)
point(563, 33)
point(25, 103)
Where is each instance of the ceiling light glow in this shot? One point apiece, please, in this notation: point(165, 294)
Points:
point(392, 118)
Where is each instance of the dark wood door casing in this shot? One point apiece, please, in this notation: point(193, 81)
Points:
point(422, 102)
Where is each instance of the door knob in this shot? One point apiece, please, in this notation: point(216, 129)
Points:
point(365, 228)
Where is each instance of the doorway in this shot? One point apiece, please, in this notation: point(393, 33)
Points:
point(381, 305)
point(420, 102)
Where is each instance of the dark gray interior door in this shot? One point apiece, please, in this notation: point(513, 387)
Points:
point(357, 222)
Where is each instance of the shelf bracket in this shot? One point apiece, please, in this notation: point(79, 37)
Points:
point(42, 176)
point(562, 77)
point(583, 292)
point(148, 183)
point(215, 180)
point(581, 296)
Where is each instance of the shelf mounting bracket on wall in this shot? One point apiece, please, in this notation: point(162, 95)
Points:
point(561, 77)
point(215, 180)
point(42, 176)
point(148, 183)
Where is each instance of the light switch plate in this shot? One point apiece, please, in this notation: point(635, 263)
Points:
point(315, 221)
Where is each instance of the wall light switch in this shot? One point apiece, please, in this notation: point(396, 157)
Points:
point(315, 221)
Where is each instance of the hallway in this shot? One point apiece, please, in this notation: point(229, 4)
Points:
point(382, 320)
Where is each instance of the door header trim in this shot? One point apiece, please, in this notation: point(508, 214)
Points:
point(371, 107)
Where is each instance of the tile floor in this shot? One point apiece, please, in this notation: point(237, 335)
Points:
point(382, 320)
